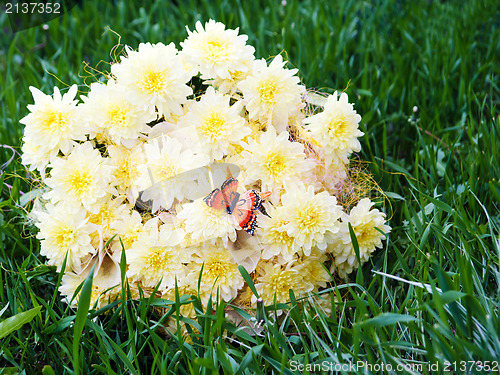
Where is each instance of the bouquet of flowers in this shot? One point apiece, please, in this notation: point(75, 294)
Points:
point(194, 162)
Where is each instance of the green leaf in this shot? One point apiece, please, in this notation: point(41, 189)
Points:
point(81, 317)
point(15, 322)
point(48, 370)
point(248, 280)
point(387, 319)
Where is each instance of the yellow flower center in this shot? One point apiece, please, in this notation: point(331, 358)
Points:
point(127, 172)
point(338, 127)
point(130, 237)
point(80, 182)
point(365, 234)
point(216, 50)
point(267, 91)
point(310, 217)
point(278, 236)
point(280, 284)
point(118, 116)
point(153, 82)
point(275, 163)
point(158, 258)
point(55, 120)
point(96, 293)
point(163, 169)
point(103, 217)
point(64, 236)
point(213, 126)
point(216, 269)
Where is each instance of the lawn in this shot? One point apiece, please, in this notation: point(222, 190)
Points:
point(425, 77)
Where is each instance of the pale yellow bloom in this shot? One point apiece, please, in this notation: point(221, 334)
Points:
point(154, 77)
point(64, 232)
point(220, 271)
point(312, 218)
point(274, 160)
point(156, 257)
point(275, 280)
point(366, 224)
point(52, 125)
point(215, 124)
point(271, 93)
point(216, 51)
point(108, 109)
point(336, 128)
point(82, 178)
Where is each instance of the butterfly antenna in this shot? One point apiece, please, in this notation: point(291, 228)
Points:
point(229, 174)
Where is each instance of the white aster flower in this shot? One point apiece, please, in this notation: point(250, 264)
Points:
point(336, 128)
point(274, 281)
point(127, 228)
point(314, 269)
point(127, 171)
point(274, 160)
point(205, 223)
point(273, 234)
point(156, 257)
point(364, 222)
point(82, 178)
point(110, 212)
point(52, 125)
point(37, 155)
point(220, 271)
point(161, 175)
point(313, 218)
point(63, 232)
point(272, 94)
point(218, 52)
point(106, 284)
point(154, 77)
point(108, 109)
point(217, 125)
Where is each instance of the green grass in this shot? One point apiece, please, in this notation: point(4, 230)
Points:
point(430, 295)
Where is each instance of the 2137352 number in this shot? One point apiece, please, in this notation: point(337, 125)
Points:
point(25, 8)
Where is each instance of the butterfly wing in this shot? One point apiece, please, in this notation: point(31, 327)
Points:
point(216, 199)
point(244, 211)
point(229, 190)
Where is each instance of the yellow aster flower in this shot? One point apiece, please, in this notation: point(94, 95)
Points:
point(364, 223)
point(205, 223)
point(312, 218)
point(217, 125)
point(220, 271)
point(127, 228)
point(156, 257)
point(64, 232)
point(275, 281)
point(108, 110)
point(127, 171)
point(336, 128)
point(37, 155)
point(52, 125)
point(106, 284)
point(82, 178)
point(109, 213)
point(274, 237)
point(161, 176)
point(154, 77)
point(271, 94)
point(274, 160)
point(314, 269)
point(217, 52)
